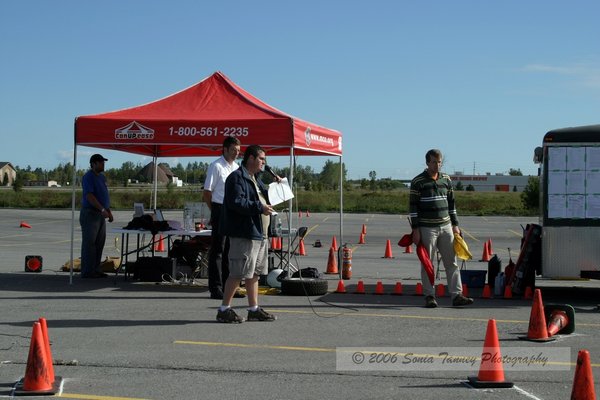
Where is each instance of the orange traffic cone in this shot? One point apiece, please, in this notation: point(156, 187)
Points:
point(334, 244)
point(37, 379)
point(538, 331)
point(528, 293)
point(491, 372)
point(508, 292)
point(361, 239)
point(307, 214)
point(44, 326)
point(300, 214)
point(397, 289)
point(379, 288)
point(301, 249)
point(279, 243)
point(388, 249)
point(408, 249)
point(159, 246)
point(419, 289)
point(489, 246)
point(487, 292)
point(440, 290)
point(583, 384)
point(24, 225)
point(360, 287)
point(341, 288)
point(332, 267)
point(486, 252)
point(273, 244)
point(364, 229)
point(465, 290)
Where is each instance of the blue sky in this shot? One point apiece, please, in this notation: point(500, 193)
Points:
point(481, 80)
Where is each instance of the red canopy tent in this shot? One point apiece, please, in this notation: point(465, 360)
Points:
point(196, 120)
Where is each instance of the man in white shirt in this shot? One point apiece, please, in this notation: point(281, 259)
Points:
point(214, 189)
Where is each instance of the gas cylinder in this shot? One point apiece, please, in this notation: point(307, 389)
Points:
point(346, 262)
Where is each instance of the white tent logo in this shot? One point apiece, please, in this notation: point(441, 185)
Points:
point(134, 130)
point(307, 136)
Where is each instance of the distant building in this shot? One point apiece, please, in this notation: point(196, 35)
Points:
point(7, 171)
point(164, 174)
point(43, 183)
point(491, 183)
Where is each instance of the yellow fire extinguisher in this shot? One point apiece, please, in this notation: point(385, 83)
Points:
point(346, 262)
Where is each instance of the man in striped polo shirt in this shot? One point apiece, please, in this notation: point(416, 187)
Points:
point(434, 223)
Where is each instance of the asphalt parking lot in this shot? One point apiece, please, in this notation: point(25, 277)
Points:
point(118, 339)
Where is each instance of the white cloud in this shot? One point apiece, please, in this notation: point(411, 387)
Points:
point(587, 75)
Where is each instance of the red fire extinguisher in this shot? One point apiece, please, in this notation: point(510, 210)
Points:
point(346, 262)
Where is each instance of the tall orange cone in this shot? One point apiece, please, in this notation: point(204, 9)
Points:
point(486, 252)
point(364, 229)
point(301, 249)
point(24, 225)
point(273, 244)
point(361, 239)
point(379, 288)
point(334, 244)
point(37, 379)
point(408, 249)
point(332, 267)
point(491, 372)
point(487, 292)
point(528, 293)
point(279, 243)
point(397, 289)
point(300, 214)
point(465, 290)
point(388, 249)
point(489, 246)
point(307, 214)
point(49, 363)
point(360, 287)
point(340, 287)
point(583, 383)
point(538, 331)
point(440, 290)
point(419, 289)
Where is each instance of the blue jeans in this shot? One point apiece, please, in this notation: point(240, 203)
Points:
point(93, 236)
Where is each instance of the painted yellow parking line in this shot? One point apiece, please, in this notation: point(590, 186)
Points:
point(255, 346)
point(516, 233)
point(94, 397)
point(321, 349)
point(469, 235)
point(402, 316)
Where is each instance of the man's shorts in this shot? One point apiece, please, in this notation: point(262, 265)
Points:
point(248, 258)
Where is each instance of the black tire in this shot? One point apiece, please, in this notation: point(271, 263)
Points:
point(304, 287)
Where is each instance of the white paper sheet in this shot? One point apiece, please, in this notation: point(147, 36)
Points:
point(280, 192)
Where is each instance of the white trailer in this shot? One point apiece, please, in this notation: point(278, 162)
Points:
point(570, 202)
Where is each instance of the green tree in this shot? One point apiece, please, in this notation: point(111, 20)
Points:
point(459, 186)
point(373, 181)
point(515, 172)
point(470, 188)
point(330, 175)
point(531, 194)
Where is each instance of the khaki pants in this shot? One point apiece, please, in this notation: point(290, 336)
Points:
point(441, 238)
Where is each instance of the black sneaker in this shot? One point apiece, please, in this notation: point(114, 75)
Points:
point(229, 317)
point(260, 315)
point(430, 302)
point(461, 300)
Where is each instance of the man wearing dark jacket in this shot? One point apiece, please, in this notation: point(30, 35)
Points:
point(245, 220)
